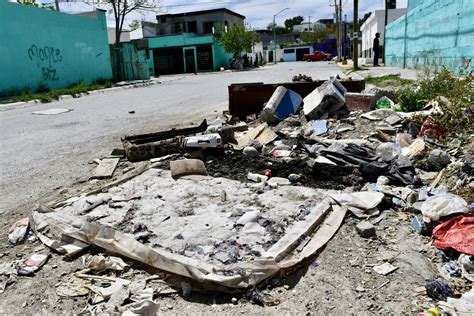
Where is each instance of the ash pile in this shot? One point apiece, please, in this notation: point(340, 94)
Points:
point(226, 206)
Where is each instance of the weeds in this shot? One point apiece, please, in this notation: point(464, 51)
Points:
point(388, 81)
point(456, 116)
point(44, 94)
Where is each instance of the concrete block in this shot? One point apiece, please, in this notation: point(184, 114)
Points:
point(359, 101)
point(365, 229)
point(327, 98)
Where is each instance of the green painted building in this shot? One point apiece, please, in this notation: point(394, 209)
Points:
point(185, 53)
point(41, 47)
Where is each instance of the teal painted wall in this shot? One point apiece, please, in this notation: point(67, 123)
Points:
point(433, 34)
point(220, 57)
point(40, 46)
point(186, 39)
point(135, 64)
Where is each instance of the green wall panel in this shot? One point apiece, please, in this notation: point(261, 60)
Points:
point(433, 34)
point(44, 47)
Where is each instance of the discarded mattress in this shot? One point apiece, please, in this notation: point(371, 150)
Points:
point(190, 228)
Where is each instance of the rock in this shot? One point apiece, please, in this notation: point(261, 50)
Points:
point(294, 177)
point(186, 289)
point(234, 301)
point(277, 181)
point(255, 144)
point(250, 151)
point(394, 119)
point(438, 159)
point(365, 229)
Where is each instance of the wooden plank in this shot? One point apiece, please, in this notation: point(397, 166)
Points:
point(300, 229)
point(106, 168)
point(266, 136)
point(242, 141)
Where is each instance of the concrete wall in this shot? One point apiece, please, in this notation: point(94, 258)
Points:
point(433, 34)
point(167, 23)
point(220, 56)
point(124, 36)
point(44, 47)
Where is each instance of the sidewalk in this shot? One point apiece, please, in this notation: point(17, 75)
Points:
point(369, 70)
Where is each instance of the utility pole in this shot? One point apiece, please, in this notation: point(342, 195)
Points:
point(355, 53)
point(385, 30)
point(345, 37)
point(274, 33)
point(341, 38)
point(338, 37)
point(309, 22)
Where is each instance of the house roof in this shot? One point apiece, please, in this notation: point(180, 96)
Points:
point(200, 12)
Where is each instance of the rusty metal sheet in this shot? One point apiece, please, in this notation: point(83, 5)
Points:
point(248, 98)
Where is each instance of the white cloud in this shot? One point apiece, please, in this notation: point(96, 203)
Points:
point(259, 13)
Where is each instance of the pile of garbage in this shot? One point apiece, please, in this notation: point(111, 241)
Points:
point(227, 205)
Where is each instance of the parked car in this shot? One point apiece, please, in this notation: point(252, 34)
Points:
point(316, 56)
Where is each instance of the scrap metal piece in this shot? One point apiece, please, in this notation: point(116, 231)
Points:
point(147, 146)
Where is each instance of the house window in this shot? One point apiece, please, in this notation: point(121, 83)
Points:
point(207, 27)
point(179, 27)
point(192, 27)
point(289, 51)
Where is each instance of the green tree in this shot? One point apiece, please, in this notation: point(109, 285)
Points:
point(135, 24)
point(289, 23)
point(237, 39)
point(314, 38)
point(279, 30)
point(28, 2)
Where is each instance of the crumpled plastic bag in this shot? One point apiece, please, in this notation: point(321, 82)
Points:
point(18, 231)
point(456, 233)
point(100, 263)
point(442, 205)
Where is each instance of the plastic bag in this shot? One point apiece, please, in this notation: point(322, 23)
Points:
point(441, 205)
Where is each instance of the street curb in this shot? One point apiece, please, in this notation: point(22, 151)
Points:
point(14, 105)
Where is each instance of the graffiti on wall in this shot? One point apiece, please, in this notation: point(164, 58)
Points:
point(46, 59)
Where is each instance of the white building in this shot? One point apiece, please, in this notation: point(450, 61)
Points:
point(308, 27)
point(124, 36)
point(375, 24)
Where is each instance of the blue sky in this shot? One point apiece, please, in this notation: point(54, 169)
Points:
point(259, 13)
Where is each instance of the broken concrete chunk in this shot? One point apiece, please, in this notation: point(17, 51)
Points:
point(106, 168)
point(365, 229)
point(249, 217)
point(278, 181)
point(325, 99)
point(250, 151)
point(438, 159)
point(385, 268)
point(186, 167)
point(281, 105)
point(394, 119)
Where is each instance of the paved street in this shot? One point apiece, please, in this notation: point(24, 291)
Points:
point(44, 152)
